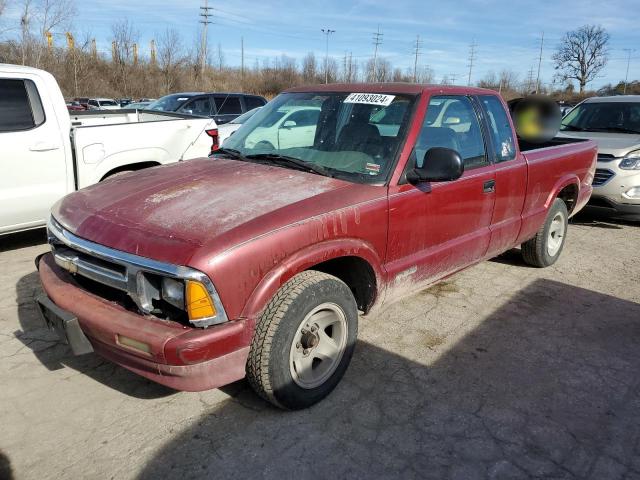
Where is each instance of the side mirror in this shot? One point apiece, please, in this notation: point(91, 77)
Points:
point(440, 165)
point(289, 124)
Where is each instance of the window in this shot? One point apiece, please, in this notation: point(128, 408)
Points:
point(16, 99)
point(453, 124)
point(199, 106)
point(253, 102)
point(93, 103)
point(501, 132)
point(616, 117)
point(228, 105)
point(304, 118)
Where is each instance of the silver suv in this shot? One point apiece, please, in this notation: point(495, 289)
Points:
point(614, 123)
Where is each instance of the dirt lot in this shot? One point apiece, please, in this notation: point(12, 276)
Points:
point(504, 371)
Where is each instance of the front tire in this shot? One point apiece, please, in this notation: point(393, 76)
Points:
point(544, 249)
point(304, 341)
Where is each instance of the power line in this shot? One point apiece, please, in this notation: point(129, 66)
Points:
point(326, 32)
point(205, 13)
point(377, 41)
point(415, 61)
point(472, 57)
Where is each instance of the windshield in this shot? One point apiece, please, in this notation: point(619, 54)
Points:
point(351, 136)
point(108, 103)
point(168, 103)
point(603, 117)
point(245, 116)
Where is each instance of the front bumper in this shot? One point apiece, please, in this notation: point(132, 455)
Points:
point(612, 193)
point(179, 357)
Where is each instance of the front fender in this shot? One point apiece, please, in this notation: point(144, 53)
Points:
point(305, 259)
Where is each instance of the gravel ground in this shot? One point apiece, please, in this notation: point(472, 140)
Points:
point(503, 371)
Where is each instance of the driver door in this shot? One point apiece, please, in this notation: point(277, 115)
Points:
point(438, 228)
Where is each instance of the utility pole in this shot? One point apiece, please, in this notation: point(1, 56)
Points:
point(94, 49)
point(153, 52)
point(529, 80)
point(205, 13)
point(539, 64)
point(472, 57)
point(453, 77)
point(326, 32)
point(377, 41)
point(626, 77)
point(415, 61)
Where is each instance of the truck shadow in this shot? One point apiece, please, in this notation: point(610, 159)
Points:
point(546, 386)
point(596, 218)
point(54, 354)
point(18, 240)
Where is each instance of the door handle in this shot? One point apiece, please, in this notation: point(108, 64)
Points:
point(43, 147)
point(489, 186)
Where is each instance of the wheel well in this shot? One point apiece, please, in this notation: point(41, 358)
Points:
point(359, 276)
point(569, 195)
point(129, 168)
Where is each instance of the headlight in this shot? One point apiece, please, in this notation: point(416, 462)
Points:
point(631, 161)
point(173, 292)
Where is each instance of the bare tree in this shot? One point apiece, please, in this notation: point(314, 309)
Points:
point(310, 68)
point(582, 54)
point(124, 37)
point(171, 59)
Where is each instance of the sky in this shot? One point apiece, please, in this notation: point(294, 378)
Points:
point(507, 33)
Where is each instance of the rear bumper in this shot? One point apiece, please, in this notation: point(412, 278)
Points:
point(179, 357)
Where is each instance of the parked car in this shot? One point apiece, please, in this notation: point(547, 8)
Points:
point(74, 106)
point(222, 107)
point(225, 131)
point(614, 124)
point(46, 153)
point(103, 104)
point(258, 263)
point(138, 105)
point(287, 127)
point(123, 102)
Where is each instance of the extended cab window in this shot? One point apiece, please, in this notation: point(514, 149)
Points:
point(451, 122)
point(20, 105)
point(500, 128)
point(228, 105)
point(253, 102)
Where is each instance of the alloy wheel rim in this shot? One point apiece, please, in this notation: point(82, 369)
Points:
point(318, 345)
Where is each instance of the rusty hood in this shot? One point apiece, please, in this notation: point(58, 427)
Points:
point(169, 212)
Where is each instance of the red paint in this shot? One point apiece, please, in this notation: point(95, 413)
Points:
point(251, 227)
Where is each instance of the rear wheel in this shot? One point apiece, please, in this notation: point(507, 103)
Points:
point(304, 341)
point(544, 249)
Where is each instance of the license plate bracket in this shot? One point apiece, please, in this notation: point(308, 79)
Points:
point(65, 324)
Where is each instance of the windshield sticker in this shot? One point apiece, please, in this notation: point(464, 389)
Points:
point(370, 99)
point(372, 168)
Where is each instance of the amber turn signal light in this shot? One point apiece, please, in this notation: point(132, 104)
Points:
point(199, 303)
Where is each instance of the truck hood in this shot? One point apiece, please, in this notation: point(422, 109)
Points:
point(168, 212)
point(616, 144)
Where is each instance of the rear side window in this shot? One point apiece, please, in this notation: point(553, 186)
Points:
point(228, 105)
point(20, 105)
point(500, 128)
point(253, 102)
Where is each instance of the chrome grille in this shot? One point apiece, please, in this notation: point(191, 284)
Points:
point(602, 176)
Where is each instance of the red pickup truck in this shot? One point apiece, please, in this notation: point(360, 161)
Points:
point(328, 203)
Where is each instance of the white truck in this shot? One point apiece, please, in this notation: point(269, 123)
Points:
point(46, 152)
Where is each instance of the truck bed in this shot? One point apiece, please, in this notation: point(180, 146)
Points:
point(128, 116)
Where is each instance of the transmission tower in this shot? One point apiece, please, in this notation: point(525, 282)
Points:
point(472, 58)
point(377, 41)
point(417, 48)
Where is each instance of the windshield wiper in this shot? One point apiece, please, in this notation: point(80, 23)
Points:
point(284, 160)
point(229, 151)
point(614, 129)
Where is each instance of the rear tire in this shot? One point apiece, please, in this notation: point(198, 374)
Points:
point(304, 341)
point(545, 248)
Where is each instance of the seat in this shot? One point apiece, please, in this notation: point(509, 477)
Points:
point(360, 136)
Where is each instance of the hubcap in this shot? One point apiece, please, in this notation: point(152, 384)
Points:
point(318, 345)
point(556, 234)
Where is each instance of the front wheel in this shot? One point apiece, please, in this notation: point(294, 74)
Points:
point(544, 249)
point(304, 341)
